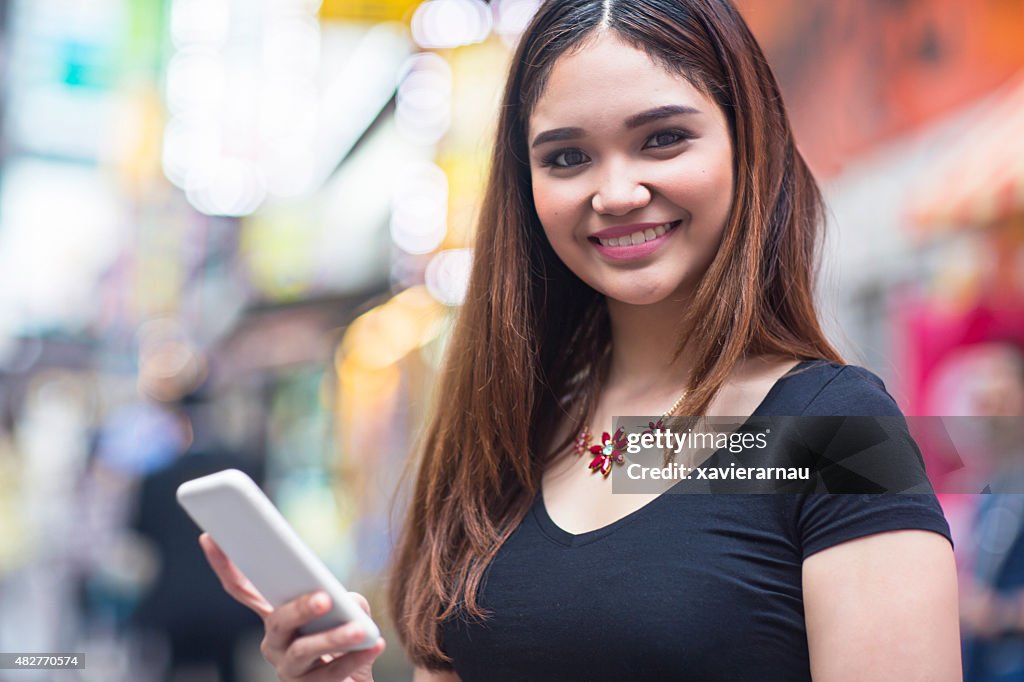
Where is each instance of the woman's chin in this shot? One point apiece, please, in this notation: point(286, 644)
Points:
point(635, 297)
point(644, 293)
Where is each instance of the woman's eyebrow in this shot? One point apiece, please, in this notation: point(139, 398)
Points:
point(557, 135)
point(657, 113)
point(634, 121)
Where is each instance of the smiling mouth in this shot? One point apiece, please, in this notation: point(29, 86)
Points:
point(638, 237)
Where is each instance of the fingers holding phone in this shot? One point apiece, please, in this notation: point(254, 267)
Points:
point(318, 657)
point(315, 628)
point(321, 654)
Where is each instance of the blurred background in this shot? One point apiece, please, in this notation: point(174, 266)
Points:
point(235, 232)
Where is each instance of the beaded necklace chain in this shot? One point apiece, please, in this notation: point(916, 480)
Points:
point(613, 446)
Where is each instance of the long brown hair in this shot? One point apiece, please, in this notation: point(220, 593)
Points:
point(532, 339)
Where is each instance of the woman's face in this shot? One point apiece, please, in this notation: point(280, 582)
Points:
point(632, 172)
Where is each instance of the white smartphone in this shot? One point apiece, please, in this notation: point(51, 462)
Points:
point(256, 537)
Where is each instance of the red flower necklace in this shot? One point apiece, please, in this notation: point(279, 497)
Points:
point(612, 447)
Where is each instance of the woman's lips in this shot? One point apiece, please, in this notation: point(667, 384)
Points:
point(631, 251)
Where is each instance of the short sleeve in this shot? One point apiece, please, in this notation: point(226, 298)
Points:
point(824, 520)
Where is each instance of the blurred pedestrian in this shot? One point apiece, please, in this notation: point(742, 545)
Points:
point(992, 590)
point(185, 604)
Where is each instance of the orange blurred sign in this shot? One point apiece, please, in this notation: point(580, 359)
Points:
point(855, 74)
point(368, 10)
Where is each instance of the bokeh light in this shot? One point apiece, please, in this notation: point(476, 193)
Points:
point(450, 23)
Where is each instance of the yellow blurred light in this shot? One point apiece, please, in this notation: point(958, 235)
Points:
point(424, 310)
point(377, 338)
point(367, 384)
point(368, 10)
point(137, 138)
point(384, 335)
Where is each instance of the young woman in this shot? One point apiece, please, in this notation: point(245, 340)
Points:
point(646, 246)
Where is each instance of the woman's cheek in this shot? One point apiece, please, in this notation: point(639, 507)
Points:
point(706, 193)
point(555, 211)
point(542, 203)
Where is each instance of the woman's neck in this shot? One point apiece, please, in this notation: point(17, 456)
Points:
point(644, 338)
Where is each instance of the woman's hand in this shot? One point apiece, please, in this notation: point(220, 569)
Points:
point(296, 658)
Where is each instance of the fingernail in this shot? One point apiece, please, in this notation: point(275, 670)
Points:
point(356, 634)
point(319, 602)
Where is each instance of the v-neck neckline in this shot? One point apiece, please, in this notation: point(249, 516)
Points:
point(564, 537)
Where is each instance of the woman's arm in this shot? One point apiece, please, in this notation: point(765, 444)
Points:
point(883, 607)
point(424, 675)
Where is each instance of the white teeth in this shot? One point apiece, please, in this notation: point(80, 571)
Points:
point(637, 237)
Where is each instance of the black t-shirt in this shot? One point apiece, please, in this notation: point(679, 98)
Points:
point(689, 586)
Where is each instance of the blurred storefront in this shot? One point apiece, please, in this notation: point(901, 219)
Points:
point(970, 210)
point(878, 95)
point(968, 213)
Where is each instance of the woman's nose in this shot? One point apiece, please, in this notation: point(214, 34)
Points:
point(618, 196)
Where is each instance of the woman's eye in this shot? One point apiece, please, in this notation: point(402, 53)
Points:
point(664, 139)
point(566, 159)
